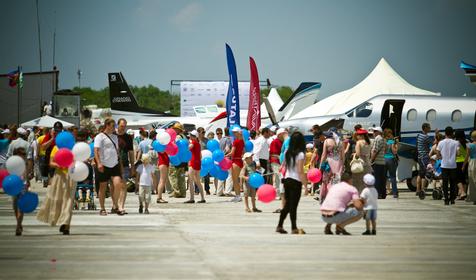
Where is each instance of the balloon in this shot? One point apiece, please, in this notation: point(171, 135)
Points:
point(79, 171)
point(28, 202)
point(12, 185)
point(163, 138)
point(65, 139)
point(158, 147)
point(206, 153)
point(255, 180)
point(172, 134)
point(248, 146)
point(64, 157)
point(175, 160)
point(218, 155)
point(222, 175)
point(171, 149)
point(182, 144)
point(266, 193)
point(3, 174)
point(246, 134)
point(213, 145)
point(314, 175)
point(225, 164)
point(215, 171)
point(15, 165)
point(185, 156)
point(207, 163)
point(81, 151)
point(91, 146)
point(203, 172)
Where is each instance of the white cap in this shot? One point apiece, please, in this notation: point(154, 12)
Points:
point(21, 131)
point(273, 128)
point(378, 128)
point(236, 129)
point(281, 130)
point(369, 179)
point(309, 146)
point(6, 131)
point(130, 131)
point(247, 154)
point(194, 133)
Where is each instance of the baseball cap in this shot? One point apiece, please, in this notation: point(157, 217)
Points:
point(378, 128)
point(236, 129)
point(369, 179)
point(281, 130)
point(247, 155)
point(194, 133)
point(6, 131)
point(309, 146)
point(21, 131)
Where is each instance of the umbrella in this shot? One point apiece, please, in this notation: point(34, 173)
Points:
point(45, 121)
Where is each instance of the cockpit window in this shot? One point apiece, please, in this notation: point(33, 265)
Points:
point(362, 111)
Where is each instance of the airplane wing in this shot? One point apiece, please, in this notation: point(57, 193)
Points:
point(470, 71)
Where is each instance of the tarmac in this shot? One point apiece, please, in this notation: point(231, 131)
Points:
point(218, 240)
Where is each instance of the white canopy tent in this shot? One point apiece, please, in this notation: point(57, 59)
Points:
point(45, 121)
point(382, 80)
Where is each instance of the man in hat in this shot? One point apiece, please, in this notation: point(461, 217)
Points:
point(377, 152)
point(274, 153)
point(177, 173)
point(20, 142)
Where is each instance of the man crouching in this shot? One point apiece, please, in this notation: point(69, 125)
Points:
point(342, 205)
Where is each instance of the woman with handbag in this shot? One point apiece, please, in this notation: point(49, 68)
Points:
point(391, 159)
point(333, 153)
point(360, 164)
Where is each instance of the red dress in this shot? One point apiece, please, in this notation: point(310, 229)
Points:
point(163, 159)
point(239, 146)
point(196, 160)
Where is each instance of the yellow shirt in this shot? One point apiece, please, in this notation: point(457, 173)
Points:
point(307, 164)
point(41, 151)
point(52, 156)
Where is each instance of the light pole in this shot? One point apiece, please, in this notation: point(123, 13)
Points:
point(79, 77)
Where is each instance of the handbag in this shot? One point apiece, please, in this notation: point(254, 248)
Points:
point(357, 165)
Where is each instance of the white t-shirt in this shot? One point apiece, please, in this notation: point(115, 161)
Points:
point(145, 172)
point(260, 149)
point(107, 149)
point(448, 149)
point(371, 197)
point(292, 172)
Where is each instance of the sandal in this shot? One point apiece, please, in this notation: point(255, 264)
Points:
point(121, 213)
point(248, 210)
point(161, 201)
point(298, 231)
point(281, 230)
point(342, 231)
point(103, 212)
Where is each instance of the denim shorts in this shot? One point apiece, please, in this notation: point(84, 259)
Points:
point(371, 215)
point(349, 213)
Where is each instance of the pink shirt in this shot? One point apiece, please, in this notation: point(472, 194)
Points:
point(339, 196)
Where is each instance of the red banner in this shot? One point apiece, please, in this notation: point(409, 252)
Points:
point(254, 108)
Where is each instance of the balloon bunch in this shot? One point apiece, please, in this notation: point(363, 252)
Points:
point(12, 184)
point(178, 152)
point(72, 155)
point(214, 161)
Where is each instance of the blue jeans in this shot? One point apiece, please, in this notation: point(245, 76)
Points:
point(391, 171)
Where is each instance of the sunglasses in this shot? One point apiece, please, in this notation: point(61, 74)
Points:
point(219, 133)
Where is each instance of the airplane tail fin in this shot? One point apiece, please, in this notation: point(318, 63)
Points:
point(470, 71)
point(272, 103)
point(304, 96)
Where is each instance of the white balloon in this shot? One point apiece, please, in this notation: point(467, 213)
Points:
point(15, 165)
point(206, 153)
point(159, 131)
point(81, 151)
point(163, 138)
point(79, 171)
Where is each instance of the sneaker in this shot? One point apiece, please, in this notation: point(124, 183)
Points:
point(256, 210)
point(190, 201)
point(374, 232)
point(201, 201)
point(236, 199)
point(141, 208)
point(367, 232)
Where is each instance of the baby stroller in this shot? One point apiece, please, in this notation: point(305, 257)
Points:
point(433, 176)
point(84, 196)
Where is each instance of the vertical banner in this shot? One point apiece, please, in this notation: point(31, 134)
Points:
point(254, 106)
point(232, 98)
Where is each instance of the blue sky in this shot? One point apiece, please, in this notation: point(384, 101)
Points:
point(336, 43)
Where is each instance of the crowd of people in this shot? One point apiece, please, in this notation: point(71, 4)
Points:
point(357, 168)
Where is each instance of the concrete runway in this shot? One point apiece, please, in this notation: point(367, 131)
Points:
point(218, 240)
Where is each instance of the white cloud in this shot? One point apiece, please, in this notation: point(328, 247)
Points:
point(187, 15)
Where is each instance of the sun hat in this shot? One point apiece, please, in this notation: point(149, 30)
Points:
point(309, 146)
point(194, 133)
point(247, 155)
point(281, 130)
point(369, 179)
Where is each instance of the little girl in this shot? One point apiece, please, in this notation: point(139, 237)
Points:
point(146, 171)
point(18, 213)
point(370, 194)
point(307, 164)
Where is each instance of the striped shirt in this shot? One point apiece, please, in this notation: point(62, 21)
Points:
point(423, 145)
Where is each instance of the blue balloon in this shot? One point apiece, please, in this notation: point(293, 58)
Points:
point(12, 184)
point(215, 171)
point(175, 160)
point(185, 156)
point(182, 145)
point(222, 175)
point(213, 145)
point(65, 139)
point(218, 155)
point(246, 134)
point(248, 146)
point(255, 180)
point(207, 163)
point(158, 147)
point(203, 172)
point(28, 202)
point(91, 145)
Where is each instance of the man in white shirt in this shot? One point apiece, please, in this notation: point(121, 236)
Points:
point(261, 152)
point(106, 155)
point(447, 150)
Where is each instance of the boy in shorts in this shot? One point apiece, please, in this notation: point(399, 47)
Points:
point(248, 168)
point(370, 195)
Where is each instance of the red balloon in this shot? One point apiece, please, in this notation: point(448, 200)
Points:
point(314, 175)
point(3, 174)
point(64, 157)
point(266, 193)
point(172, 134)
point(171, 149)
point(225, 164)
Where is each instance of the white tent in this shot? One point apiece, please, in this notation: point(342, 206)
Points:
point(382, 80)
point(45, 121)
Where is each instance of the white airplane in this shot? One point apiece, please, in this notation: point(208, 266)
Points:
point(385, 99)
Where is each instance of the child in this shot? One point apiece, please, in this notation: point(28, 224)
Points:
point(248, 168)
point(18, 214)
point(433, 171)
point(307, 164)
point(370, 195)
point(146, 171)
